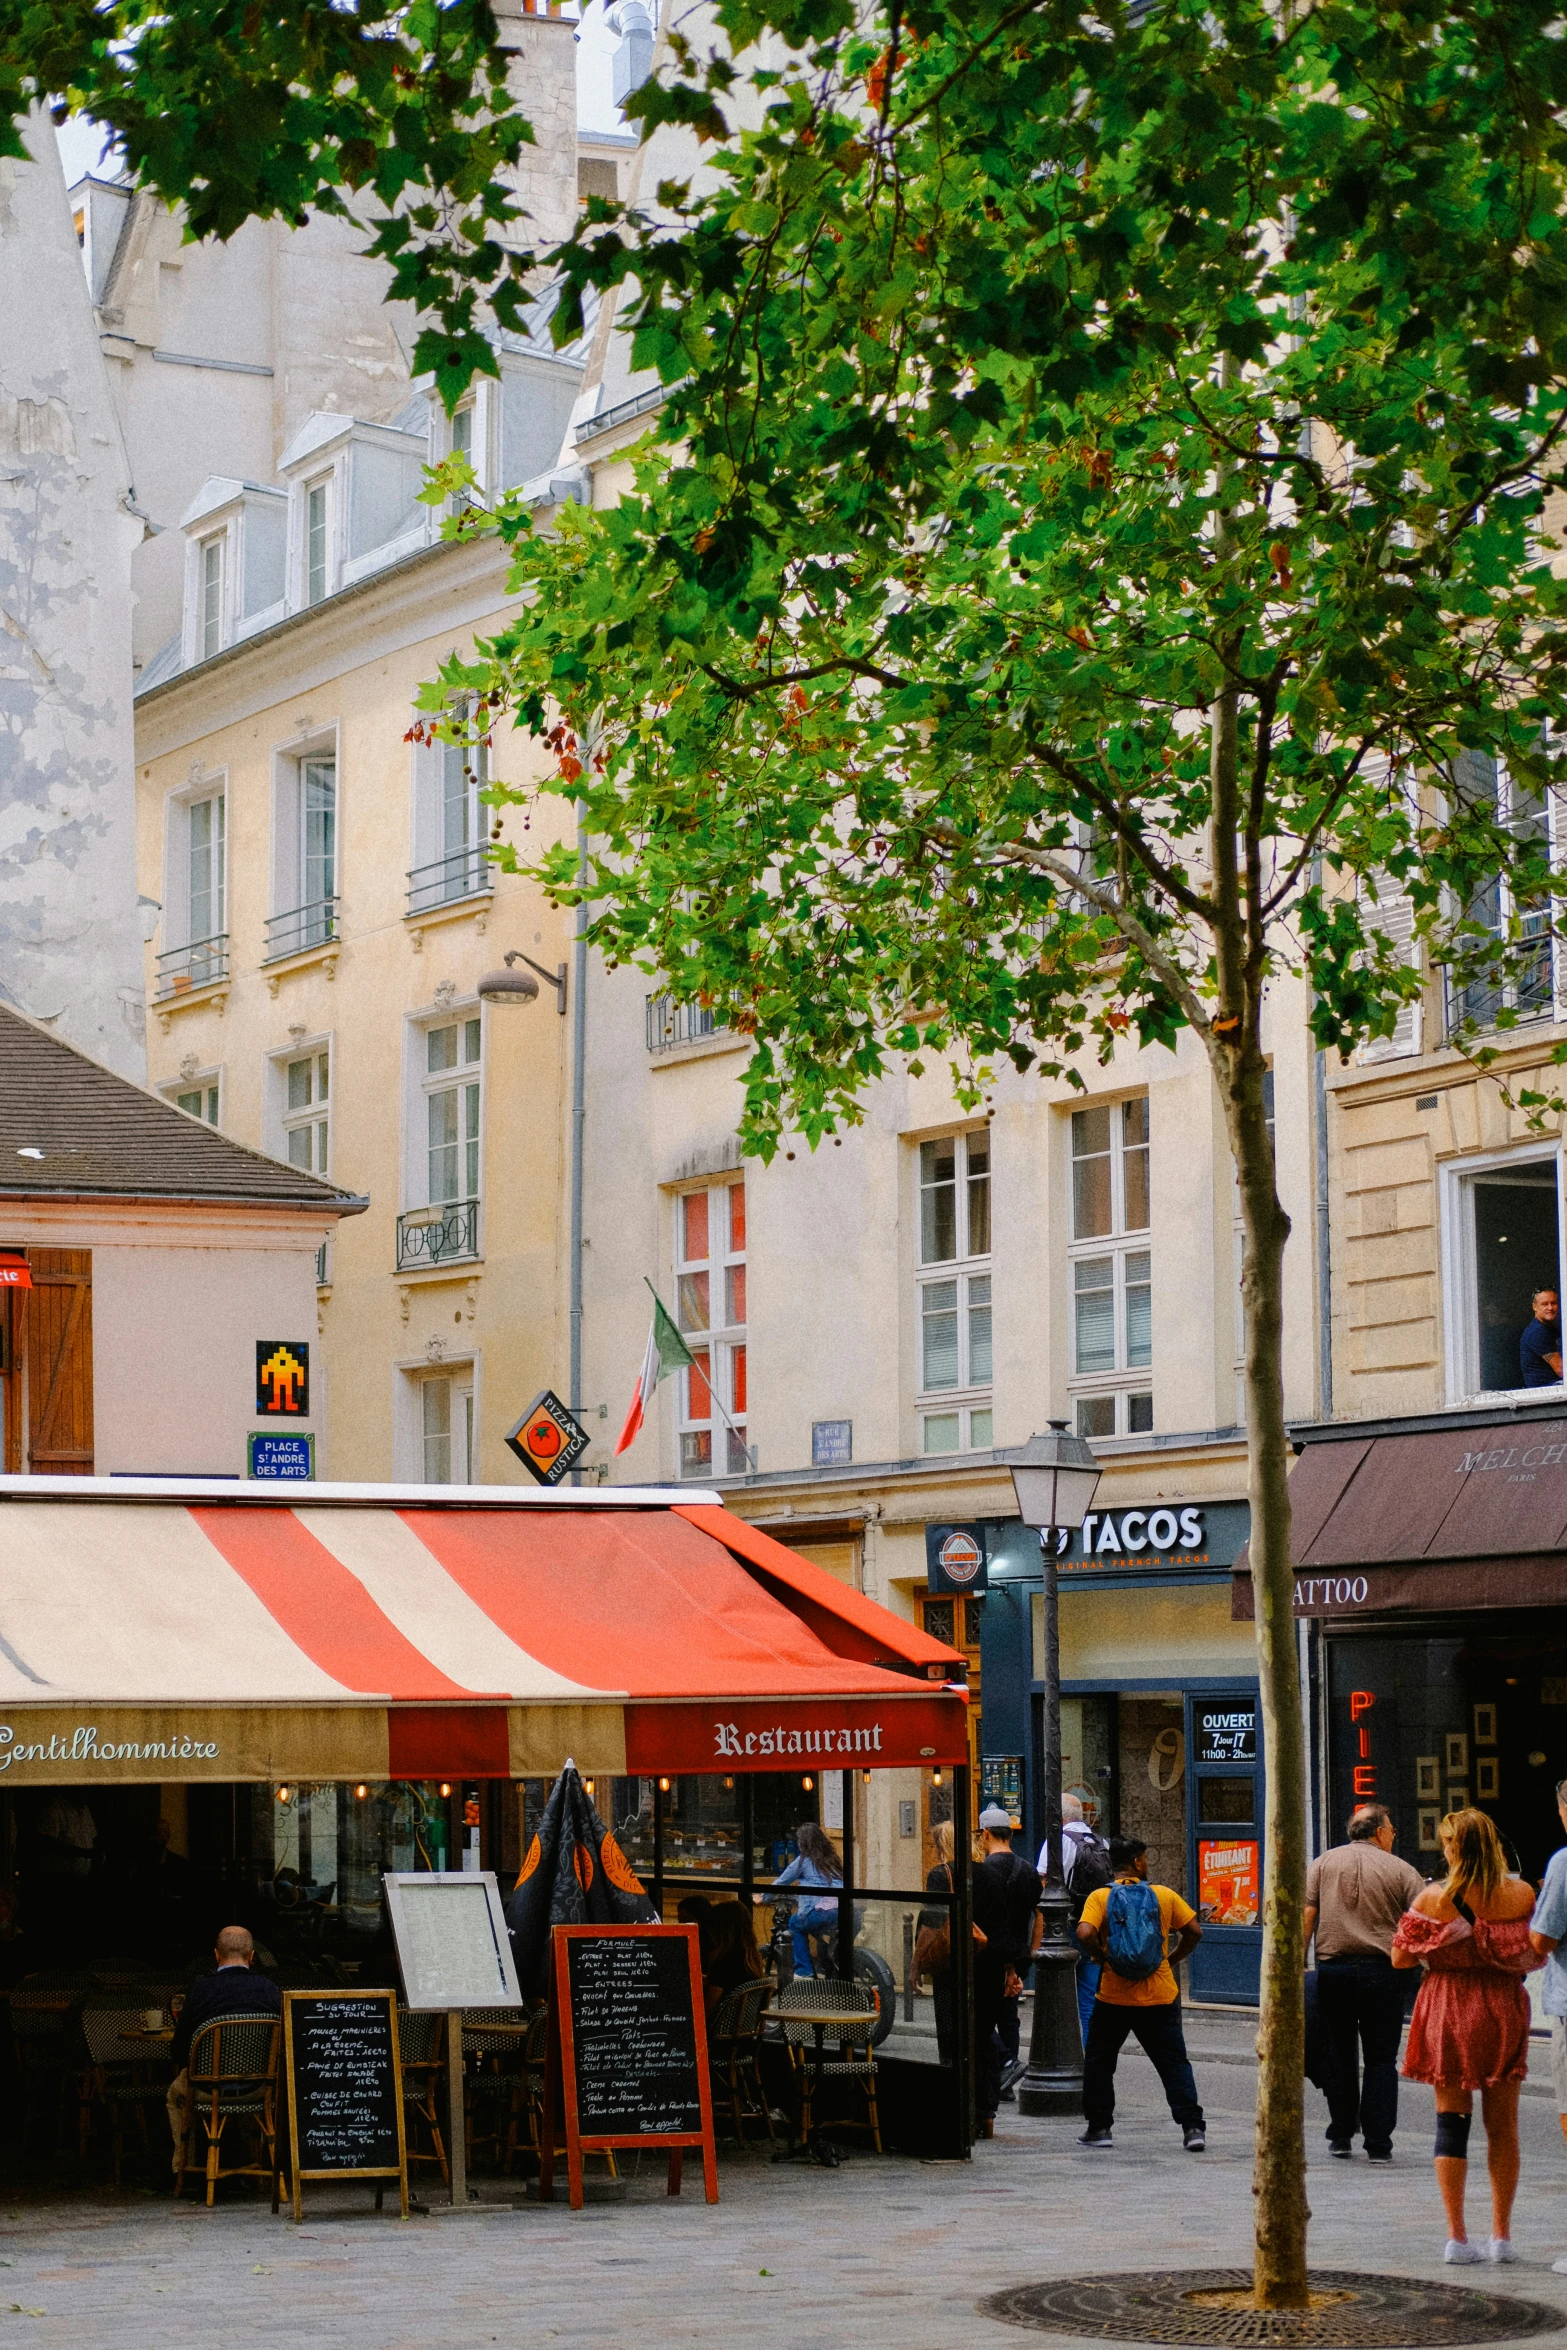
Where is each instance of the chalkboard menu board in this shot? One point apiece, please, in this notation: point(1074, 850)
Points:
point(627, 2063)
point(345, 2106)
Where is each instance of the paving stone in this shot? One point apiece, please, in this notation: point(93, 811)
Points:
point(887, 2254)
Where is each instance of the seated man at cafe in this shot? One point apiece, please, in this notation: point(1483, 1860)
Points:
point(234, 1988)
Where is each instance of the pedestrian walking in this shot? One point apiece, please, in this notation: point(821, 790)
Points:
point(1355, 1895)
point(1547, 1931)
point(1006, 1928)
point(1085, 1866)
point(1470, 2027)
point(1127, 1927)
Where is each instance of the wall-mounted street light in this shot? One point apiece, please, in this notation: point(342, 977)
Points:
point(1055, 1477)
point(511, 986)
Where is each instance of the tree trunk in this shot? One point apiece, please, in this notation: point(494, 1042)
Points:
point(1279, 2177)
point(1235, 1049)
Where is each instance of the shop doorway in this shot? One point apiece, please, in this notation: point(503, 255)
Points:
point(1225, 1815)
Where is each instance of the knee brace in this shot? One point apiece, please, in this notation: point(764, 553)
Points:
point(1452, 2136)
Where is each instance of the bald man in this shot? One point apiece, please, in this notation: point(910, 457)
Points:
point(234, 1988)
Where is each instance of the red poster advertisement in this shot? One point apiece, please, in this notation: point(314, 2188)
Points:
point(1227, 1884)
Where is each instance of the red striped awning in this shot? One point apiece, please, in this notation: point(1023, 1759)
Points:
point(216, 1633)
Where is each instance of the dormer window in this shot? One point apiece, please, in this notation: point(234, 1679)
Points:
point(317, 521)
point(213, 552)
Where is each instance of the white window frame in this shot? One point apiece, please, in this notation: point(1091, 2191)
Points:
point(327, 486)
point(422, 1083)
point(296, 921)
point(1127, 1387)
point(313, 1115)
point(206, 1082)
point(723, 1339)
point(212, 566)
point(444, 875)
point(463, 1369)
point(1460, 1332)
point(1553, 1006)
point(971, 1403)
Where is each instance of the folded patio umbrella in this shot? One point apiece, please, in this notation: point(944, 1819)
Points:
point(573, 1874)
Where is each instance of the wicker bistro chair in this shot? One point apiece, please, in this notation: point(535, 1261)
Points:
point(732, 2039)
point(233, 2077)
point(494, 2042)
point(116, 2079)
point(855, 2061)
point(421, 2048)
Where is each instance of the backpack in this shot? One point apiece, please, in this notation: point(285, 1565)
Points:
point(1133, 1932)
point(1090, 1871)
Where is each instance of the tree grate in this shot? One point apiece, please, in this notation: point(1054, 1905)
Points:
point(1354, 2312)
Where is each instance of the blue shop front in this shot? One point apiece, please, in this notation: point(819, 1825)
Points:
point(1159, 1724)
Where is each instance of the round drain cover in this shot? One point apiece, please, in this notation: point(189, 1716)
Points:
point(1352, 2312)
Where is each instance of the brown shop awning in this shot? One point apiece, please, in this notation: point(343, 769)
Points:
point(1438, 1518)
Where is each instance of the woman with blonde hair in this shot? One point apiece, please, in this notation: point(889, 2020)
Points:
point(1470, 2027)
point(933, 1950)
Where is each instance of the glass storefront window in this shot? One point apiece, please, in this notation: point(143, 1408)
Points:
point(1227, 1799)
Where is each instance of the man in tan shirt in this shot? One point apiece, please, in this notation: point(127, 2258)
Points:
point(1355, 1896)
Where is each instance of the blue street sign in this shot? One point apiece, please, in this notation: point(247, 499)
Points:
point(280, 1456)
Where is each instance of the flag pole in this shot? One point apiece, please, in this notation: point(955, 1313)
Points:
point(713, 1393)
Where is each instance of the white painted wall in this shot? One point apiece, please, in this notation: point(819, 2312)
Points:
point(70, 947)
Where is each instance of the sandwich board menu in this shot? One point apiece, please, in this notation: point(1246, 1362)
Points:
point(627, 2053)
point(345, 2103)
point(452, 1945)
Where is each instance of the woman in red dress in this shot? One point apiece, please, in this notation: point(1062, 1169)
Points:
point(1470, 2028)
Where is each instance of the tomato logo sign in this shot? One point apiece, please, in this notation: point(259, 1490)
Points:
point(547, 1440)
point(961, 1558)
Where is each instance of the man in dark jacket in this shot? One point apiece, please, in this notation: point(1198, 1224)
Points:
point(233, 1989)
point(1006, 1908)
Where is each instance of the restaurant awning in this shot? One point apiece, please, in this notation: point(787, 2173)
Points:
point(160, 1631)
point(1450, 1516)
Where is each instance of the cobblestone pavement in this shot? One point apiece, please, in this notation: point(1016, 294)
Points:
point(880, 2255)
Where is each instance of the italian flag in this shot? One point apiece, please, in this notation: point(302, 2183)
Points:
point(666, 1351)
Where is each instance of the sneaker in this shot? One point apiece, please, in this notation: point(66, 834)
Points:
point(1340, 2149)
point(1379, 2154)
point(1195, 2140)
point(1460, 2253)
point(1013, 2074)
point(1096, 2138)
point(1500, 2249)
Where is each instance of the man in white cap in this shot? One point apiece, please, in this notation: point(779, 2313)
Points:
point(1006, 1929)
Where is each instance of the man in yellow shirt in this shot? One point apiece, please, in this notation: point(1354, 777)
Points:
point(1127, 1926)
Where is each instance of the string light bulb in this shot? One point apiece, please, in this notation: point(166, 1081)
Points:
point(588, 1784)
point(935, 1776)
point(446, 1787)
point(663, 1786)
point(285, 1794)
point(808, 1783)
point(361, 1790)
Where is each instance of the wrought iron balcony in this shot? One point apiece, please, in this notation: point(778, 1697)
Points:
point(465, 873)
point(301, 927)
point(670, 1024)
point(196, 965)
point(439, 1235)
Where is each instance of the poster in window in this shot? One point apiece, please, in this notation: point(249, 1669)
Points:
point(1227, 1884)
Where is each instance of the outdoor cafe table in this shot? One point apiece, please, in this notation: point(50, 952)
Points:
point(821, 2020)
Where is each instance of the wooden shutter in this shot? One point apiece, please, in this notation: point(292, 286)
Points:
point(58, 1326)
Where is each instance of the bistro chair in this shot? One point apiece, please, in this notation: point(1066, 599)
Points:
point(495, 2039)
point(117, 2078)
point(233, 2077)
point(421, 2050)
point(855, 2062)
point(732, 2040)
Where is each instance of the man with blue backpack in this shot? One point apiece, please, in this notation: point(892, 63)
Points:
point(1127, 1926)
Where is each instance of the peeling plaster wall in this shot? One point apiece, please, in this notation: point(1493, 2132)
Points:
point(70, 949)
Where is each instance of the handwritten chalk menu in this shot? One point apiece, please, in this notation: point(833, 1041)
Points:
point(345, 2106)
point(452, 1945)
point(627, 2060)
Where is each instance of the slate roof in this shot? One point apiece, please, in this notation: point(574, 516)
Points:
point(100, 1135)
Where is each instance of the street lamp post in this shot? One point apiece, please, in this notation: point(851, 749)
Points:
point(1055, 1478)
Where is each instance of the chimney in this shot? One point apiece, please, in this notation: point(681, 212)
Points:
point(634, 56)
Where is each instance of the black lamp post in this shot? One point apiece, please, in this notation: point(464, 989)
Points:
point(1055, 1478)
